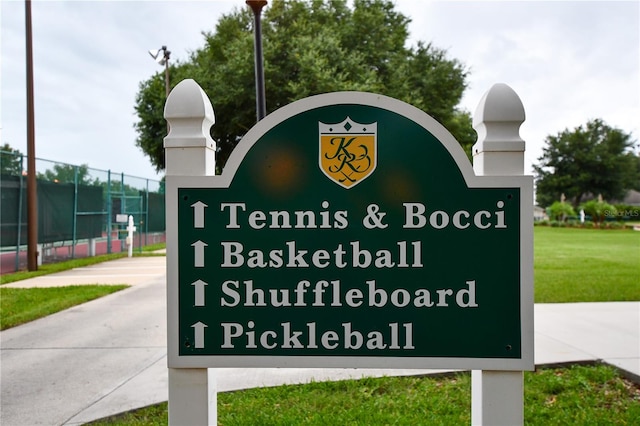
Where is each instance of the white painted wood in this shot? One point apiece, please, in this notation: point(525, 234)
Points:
point(189, 151)
point(497, 397)
point(193, 398)
point(499, 150)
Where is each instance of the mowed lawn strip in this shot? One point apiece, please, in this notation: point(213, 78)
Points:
point(21, 305)
point(586, 265)
point(578, 395)
point(571, 265)
point(51, 268)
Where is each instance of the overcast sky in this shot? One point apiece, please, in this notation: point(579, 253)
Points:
point(569, 62)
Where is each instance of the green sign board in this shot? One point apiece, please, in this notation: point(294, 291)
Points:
point(350, 232)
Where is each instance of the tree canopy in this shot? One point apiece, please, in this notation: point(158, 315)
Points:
point(310, 47)
point(591, 160)
point(67, 173)
point(11, 161)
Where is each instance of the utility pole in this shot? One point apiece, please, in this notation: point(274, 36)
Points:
point(32, 194)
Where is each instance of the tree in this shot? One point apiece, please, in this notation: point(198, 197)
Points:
point(590, 160)
point(310, 47)
point(67, 173)
point(11, 161)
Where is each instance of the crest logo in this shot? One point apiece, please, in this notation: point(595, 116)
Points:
point(348, 151)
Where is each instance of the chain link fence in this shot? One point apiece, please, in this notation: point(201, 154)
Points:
point(81, 211)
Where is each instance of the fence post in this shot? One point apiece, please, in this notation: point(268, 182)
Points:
point(109, 212)
point(20, 188)
point(74, 229)
point(497, 397)
point(189, 151)
point(146, 215)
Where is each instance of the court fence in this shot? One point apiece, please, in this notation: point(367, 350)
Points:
point(81, 211)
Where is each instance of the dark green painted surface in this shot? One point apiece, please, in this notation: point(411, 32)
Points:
point(281, 173)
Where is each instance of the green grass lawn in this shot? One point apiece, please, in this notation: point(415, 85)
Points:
point(20, 305)
point(571, 265)
point(586, 265)
point(578, 395)
point(51, 268)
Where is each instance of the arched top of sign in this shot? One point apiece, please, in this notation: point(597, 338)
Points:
point(345, 128)
point(344, 214)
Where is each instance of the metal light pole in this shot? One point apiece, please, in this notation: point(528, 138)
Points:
point(261, 102)
point(32, 195)
point(163, 60)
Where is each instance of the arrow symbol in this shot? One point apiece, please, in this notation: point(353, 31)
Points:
point(198, 214)
point(199, 288)
point(198, 252)
point(198, 331)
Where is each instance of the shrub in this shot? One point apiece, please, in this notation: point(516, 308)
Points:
point(598, 210)
point(561, 211)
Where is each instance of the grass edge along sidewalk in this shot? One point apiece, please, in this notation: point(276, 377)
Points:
point(577, 394)
point(21, 305)
point(52, 268)
point(570, 265)
point(556, 252)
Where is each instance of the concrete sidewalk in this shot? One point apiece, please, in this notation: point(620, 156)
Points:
point(109, 355)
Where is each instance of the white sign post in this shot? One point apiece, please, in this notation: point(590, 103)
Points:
point(189, 151)
point(497, 397)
